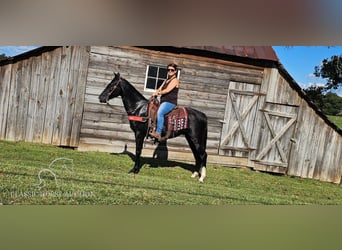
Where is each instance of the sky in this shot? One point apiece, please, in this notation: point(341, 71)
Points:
point(299, 61)
point(15, 50)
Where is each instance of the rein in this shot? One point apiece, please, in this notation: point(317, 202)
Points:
point(142, 118)
point(137, 118)
point(111, 92)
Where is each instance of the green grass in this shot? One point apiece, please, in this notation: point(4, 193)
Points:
point(102, 178)
point(336, 119)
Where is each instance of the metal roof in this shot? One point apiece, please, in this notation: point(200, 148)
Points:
point(255, 52)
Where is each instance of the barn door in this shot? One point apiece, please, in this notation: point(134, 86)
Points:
point(276, 132)
point(240, 113)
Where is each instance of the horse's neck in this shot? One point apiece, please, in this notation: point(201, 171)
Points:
point(132, 99)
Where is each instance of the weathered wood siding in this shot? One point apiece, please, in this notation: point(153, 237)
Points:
point(274, 124)
point(255, 117)
point(42, 97)
point(204, 86)
point(317, 150)
point(312, 148)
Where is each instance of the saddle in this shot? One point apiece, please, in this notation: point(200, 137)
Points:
point(175, 120)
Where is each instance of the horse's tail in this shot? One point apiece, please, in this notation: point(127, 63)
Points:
point(205, 137)
point(202, 136)
point(202, 123)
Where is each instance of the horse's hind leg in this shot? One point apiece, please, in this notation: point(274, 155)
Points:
point(195, 173)
point(203, 167)
point(203, 174)
point(200, 156)
point(202, 164)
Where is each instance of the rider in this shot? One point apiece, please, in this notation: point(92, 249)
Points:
point(168, 100)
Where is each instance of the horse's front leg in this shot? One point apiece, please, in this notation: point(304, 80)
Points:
point(139, 140)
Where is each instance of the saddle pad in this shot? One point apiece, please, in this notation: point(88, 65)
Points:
point(177, 119)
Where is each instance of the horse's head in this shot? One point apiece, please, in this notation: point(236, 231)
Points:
point(112, 90)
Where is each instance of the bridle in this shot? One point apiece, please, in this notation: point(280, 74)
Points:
point(111, 92)
point(130, 117)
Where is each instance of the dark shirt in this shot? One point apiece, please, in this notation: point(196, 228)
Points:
point(171, 97)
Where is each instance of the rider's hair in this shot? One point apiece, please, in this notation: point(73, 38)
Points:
point(173, 65)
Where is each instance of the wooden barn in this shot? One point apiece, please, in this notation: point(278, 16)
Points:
point(258, 116)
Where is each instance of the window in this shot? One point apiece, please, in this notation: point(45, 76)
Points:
point(155, 76)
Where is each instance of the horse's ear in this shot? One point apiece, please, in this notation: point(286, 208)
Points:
point(116, 74)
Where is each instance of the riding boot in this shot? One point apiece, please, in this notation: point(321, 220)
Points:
point(155, 135)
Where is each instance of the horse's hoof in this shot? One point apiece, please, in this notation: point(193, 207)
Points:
point(194, 174)
point(133, 171)
point(200, 181)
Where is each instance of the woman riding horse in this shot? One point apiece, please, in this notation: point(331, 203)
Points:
point(136, 105)
point(168, 100)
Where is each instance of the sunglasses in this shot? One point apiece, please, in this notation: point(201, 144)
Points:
point(172, 70)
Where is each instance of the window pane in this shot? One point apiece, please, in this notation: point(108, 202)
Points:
point(152, 71)
point(155, 76)
point(160, 81)
point(163, 73)
point(151, 83)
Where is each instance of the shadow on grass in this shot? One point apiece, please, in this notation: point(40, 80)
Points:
point(159, 159)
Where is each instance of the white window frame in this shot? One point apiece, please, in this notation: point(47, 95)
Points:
point(157, 78)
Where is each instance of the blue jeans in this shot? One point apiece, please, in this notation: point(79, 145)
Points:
point(164, 109)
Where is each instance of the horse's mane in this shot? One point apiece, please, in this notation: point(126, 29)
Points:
point(131, 89)
point(135, 103)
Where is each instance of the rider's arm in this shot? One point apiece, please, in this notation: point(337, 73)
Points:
point(173, 84)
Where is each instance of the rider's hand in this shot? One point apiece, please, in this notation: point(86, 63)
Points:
point(156, 93)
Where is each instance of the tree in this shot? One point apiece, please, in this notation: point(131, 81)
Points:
point(316, 95)
point(3, 57)
point(332, 104)
point(329, 103)
point(332, 70)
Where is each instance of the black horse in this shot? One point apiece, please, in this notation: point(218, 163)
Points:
point(136, 105)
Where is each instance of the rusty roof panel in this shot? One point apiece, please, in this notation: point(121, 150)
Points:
point(255, 52)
